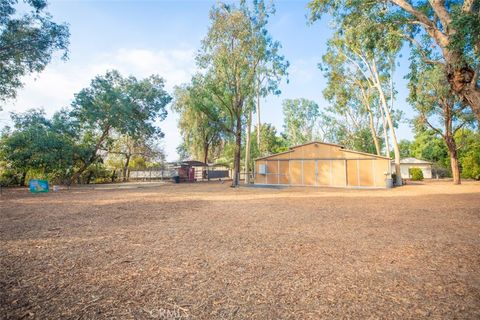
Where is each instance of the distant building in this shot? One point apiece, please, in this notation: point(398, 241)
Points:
point(407, 163)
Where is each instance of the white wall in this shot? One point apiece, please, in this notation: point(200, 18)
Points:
point(404, 168)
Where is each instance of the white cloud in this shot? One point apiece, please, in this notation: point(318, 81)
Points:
point(55, 86)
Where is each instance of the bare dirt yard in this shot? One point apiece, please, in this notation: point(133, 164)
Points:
point(207, 251)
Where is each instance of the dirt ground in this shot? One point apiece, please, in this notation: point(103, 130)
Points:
point(207, 251)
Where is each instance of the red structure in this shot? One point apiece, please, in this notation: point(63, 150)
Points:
point(186, 170)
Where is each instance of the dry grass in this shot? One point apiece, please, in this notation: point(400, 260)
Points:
point(207, 251)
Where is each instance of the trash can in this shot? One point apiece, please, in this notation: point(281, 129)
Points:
point(389, 183)
point(176, 179)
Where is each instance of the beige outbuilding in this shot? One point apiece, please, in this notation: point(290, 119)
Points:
point(322, 164)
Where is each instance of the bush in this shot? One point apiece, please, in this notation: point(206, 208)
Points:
point(439, 171)
point(416, 174)
point(9, 178)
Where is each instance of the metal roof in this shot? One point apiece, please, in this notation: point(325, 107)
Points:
point(413, 161)
point(190, 163)
point(326, 143)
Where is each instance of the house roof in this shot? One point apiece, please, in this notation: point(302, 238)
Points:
point(190, 163)
point(325, 143)
point(413, 161)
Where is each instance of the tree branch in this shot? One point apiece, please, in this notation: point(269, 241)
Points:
point(468, 6)
point(439, 7)
point(422, 51)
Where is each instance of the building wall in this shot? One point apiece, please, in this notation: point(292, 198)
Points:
point(323, 165)
point(404, 169)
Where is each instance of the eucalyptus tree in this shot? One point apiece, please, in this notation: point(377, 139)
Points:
point(271, 66)
point(199, 132)
point(300, 120)
point(369, 46)
point(117, 105)
point(28, 39)
point(227, 60)
point(350, 96)
point(448, 29)
point(438, 109)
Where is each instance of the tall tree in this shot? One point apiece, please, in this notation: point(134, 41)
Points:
point(271, 65)
point(370, 45)
point(27, 42)
point(113, 104)
point(300, 120)
point(450, 29)
point(431, 96)
point(228, 59)
point(351, 96)
point(200, 134)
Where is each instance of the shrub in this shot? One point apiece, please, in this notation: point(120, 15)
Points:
point(416, 174)
point(9, 178)
point(439, 171)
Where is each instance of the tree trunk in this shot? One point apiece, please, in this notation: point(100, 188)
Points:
point(370, 121)
point(373, 132)
point(206, 146)
point(388, 117)
point(22, 179)
point(89, 177)
point(396, 149)
point(452, 152)
point(87, 163)
point(258, 120)
point(247, 147)
point(125, 168)
point(455, 168)
point(237, 155)
point(463, 83)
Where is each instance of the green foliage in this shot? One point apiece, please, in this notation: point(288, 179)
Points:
point(467, 35)
point(428, 146)
point(201, 135)
point(469, 154)
point(416, 174)
point(405, 148)
point(236, 56)
point(126, 105)
point(63, 148)
point(270, 65)
point(270, 140)
point(38, 145)
point(442, 33)
point(300, 119)
point(27, 42)
point(113, 104)
point(334, 128)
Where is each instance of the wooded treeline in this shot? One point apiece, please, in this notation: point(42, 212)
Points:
point(239, 64)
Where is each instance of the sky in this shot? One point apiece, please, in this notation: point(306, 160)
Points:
point(162, 37)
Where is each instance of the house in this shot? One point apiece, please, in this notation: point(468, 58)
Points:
point(408, 163)
point(322, 164)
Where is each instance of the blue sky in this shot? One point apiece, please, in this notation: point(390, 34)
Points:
point(162, 37)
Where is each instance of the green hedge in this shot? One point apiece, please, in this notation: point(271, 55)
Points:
point(416, 174)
